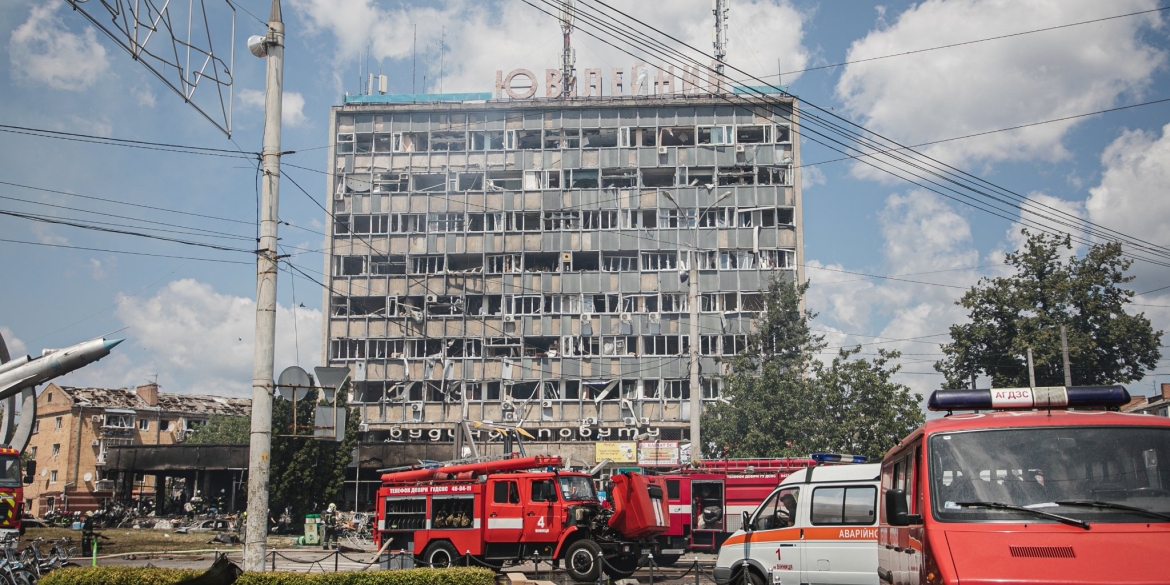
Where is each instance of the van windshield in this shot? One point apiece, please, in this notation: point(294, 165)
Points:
point(9, 471)
point(1094, 474)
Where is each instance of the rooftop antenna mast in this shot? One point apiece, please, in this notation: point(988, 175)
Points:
point(721, 9)
point(569, 56)
point(414, 63)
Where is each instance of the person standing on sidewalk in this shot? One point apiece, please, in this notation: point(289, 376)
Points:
point(329, 517)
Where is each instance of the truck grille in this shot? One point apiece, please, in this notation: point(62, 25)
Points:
point(1046, 552)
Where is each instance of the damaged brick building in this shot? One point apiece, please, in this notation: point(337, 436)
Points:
point(77, 429)
point(526, 261)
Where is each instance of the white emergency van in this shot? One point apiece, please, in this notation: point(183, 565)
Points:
point(820, 525)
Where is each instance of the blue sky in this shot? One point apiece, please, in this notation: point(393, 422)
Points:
point(189, 322)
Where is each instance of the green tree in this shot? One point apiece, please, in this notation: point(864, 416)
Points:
point(307, 474)
point(782, 402)
point(1011, 314)
point(860, 410)
point(222, 429)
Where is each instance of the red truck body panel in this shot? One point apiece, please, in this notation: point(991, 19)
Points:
point(640, 508)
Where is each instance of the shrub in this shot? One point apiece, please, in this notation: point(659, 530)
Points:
point(110, 575)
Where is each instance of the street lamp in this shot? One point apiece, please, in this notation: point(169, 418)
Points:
point(693, 301)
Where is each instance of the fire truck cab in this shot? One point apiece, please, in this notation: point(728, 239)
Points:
point(512, 510)
point(1027, 490)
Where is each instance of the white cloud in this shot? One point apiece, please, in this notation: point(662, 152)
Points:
point(292, 107)
point(16, 347)
point(199, 341)
point(997, 84)
point(44, 50)
point(482, 38)
point(144, 96)
point(1132, 197)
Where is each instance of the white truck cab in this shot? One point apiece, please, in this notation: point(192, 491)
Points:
point(820, 525)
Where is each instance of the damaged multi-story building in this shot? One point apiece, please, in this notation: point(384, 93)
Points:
point(527, 261)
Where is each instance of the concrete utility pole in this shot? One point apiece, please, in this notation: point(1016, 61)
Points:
point(722, 8)
point(696, 383)
point(1064, 350)
point(568, 79)
point(260, 454)
point(1031, 371)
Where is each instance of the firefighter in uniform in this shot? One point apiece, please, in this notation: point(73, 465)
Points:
point(329, 517)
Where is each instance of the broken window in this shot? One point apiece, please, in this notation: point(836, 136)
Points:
point(448, 141)
point(674, 303)
point(563, 138)
point(523, 139)
point(784, 216)
point(503, 264)
point(359, 306)
point(658, 177)
point(676, 136)
point(730, 301)
point(426, 264)
point(520, 221)
point(676, 389)
point(707, 259)
point(430, 182)
point(756, 134)
point(737, 176)
point(734, 344)
point(344, 143)
point(526, 305)
point(567, 304)
point(753, 302)
point(777, 259)
point(783, 133)
point(381, 349)
point(470, 182)
point(675, 218)
point(619, 346)
point(581, 178)
point(347, 349)
point(586, 261)
point(410, 142)
point(638, 137)
point(534, 180)
point(445, 222)
point(384, 142)
point(600, 303)
point(387, 265)
point(542, 262)
point(487, 140)
point(391, 182)
point(349, 265)
point(710, 302)
point(619, 177)
point(709, 345)
point(562, 220)
point(407, 223)
point(659, 260)
point(772, 176)
point(664, 344)
point(465, 263)
point(505, 180)
point(721, 217)
point(363, 143)
point(711, 388)
point(501, 347)
point(715, 135)
point(696, 176)
point(473, 348)
point(599, 137)
point(599, 220)
point(619, 263)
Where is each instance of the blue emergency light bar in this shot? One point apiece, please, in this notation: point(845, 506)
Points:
point(838, 458)
point(1060, 397)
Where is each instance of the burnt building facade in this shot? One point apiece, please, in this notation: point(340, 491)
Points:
point(527, 261)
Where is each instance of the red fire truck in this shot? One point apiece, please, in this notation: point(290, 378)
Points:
point(707, 501)
point(515, 509)
point(1037, 485)
point(12, 489)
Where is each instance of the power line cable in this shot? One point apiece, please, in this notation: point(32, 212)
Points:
point(151, 207)
point(960, 181)
point(952, 45)
point(160, 146)
point(90, 249)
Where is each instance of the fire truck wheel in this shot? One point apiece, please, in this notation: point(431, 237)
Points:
point(440, 554)
point(581, 561)
point(621, 566)
point(666, 560)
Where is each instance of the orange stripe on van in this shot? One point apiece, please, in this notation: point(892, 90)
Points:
point(819, 533)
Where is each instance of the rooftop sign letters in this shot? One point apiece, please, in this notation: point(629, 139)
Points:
point(522, 84)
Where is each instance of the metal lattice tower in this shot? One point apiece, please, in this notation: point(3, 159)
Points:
point(721, 9)
point(568, 56)
point(177, 48)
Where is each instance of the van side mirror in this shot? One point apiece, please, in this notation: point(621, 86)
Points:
point(30, 471)
point(898, 509)
point(747, 522)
